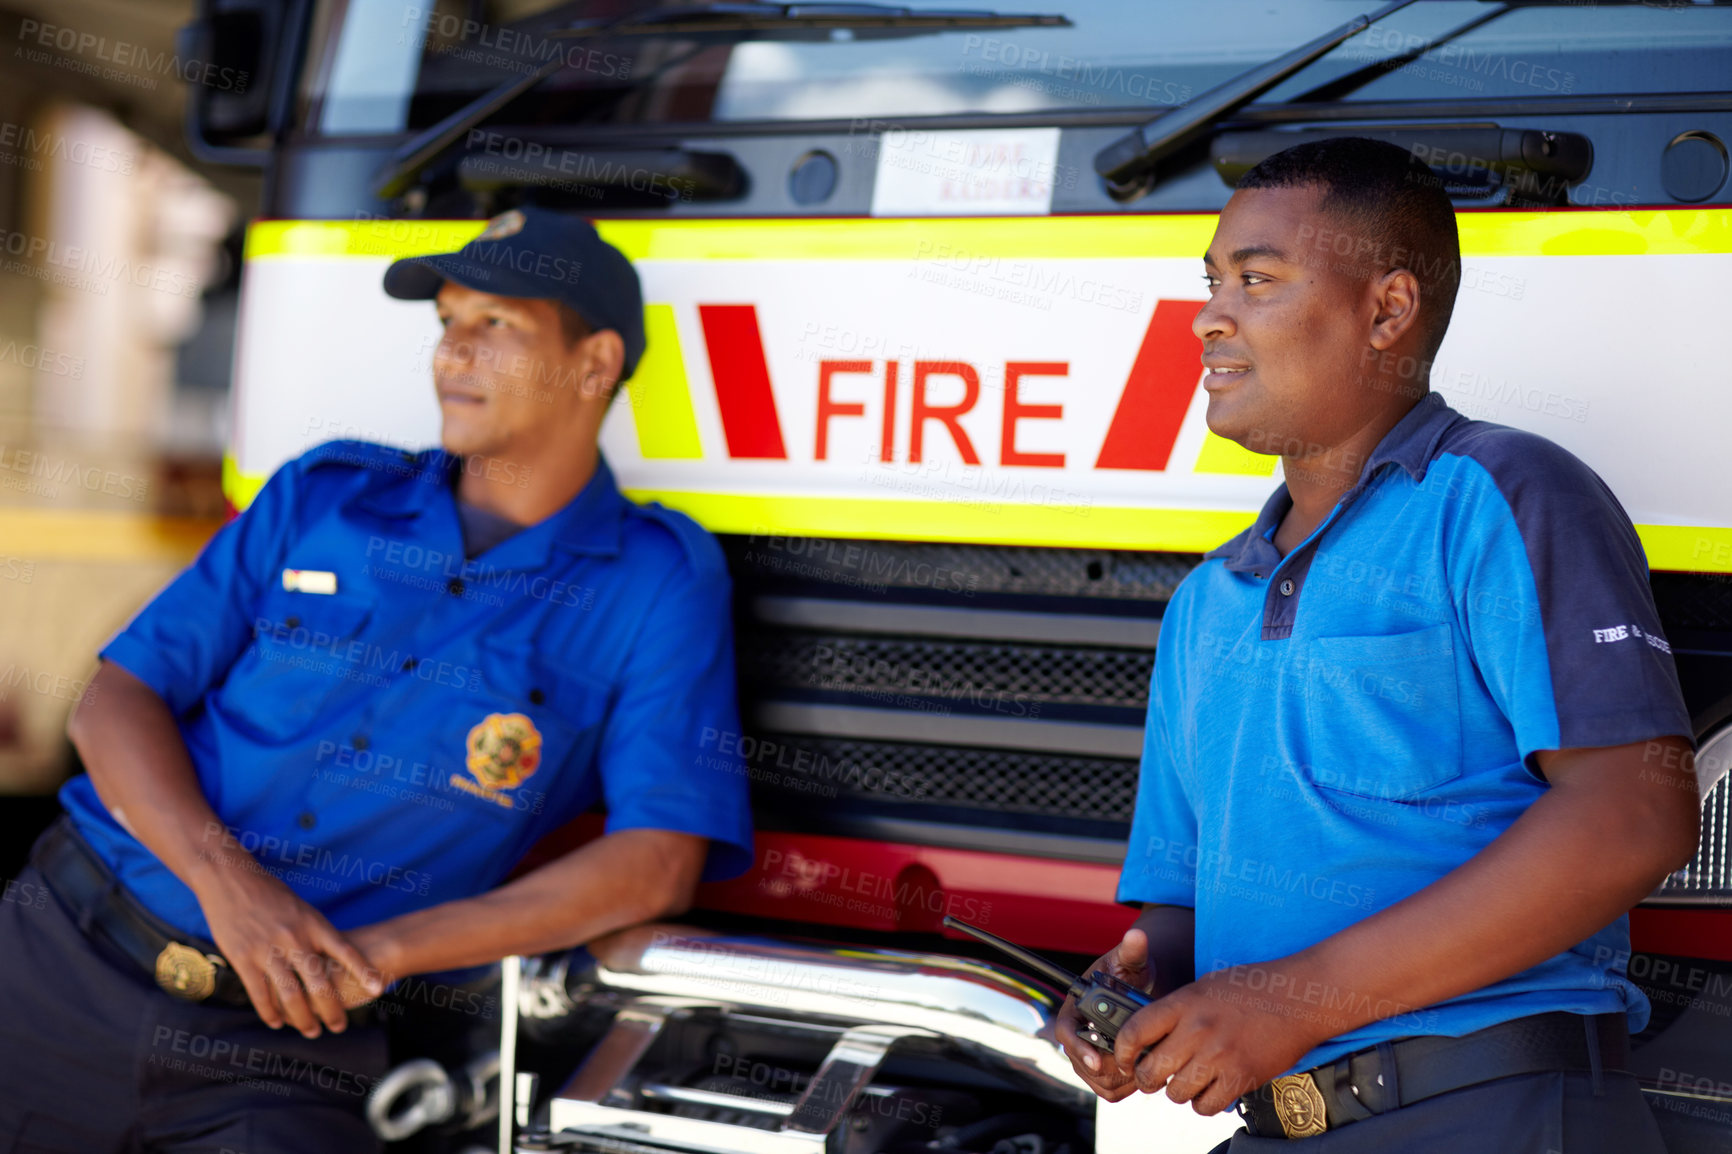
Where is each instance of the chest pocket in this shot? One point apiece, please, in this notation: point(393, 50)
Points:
point(1381, 713)
point(302, 661)
point(525, 731)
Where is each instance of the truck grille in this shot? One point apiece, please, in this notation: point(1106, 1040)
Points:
point(947, 694)
point(985, 674)
point(793, 768)
point(1693, 603)
point(1708, 878)
point(964, 571)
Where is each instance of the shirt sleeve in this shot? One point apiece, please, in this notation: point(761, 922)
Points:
point(1551, 586)
point(1161, 856)
point(183, 642)
point(669, 756)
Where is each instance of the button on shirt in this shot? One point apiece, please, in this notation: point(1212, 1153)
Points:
point(398, 728)
point(1331, 731)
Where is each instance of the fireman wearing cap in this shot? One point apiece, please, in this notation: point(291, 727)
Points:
point(314, 758)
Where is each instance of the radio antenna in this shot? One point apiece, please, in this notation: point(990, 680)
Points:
point(1049, 970)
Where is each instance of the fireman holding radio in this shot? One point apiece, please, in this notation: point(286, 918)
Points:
point(316, 756)
point(1412, 738)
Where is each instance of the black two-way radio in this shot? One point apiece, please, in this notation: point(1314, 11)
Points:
point(1102, 1001)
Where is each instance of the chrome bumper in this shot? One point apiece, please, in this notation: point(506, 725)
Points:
point(866, 1000)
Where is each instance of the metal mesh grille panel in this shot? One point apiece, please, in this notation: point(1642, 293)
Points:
point(1694, 601)
point(1710, 874)
point(983, 672)
point(961, 569)
point(1102, 789)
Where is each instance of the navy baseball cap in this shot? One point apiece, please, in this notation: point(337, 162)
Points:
point(542, 255)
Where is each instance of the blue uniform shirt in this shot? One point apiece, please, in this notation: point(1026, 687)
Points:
point(1331, 731)
point(402, 737)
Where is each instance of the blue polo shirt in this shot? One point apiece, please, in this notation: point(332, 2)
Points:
point(1331, 731)
point(386, 725)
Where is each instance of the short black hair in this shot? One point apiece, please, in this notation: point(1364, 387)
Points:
point(1399, 215)
point(572, 326)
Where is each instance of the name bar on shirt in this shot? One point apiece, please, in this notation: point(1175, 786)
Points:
point(309, 581)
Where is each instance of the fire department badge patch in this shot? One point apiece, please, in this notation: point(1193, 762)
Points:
point(504, 225)
point(504, 750)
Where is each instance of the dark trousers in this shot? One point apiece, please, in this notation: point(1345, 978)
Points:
point(1530, 1114)
point(95, 1059)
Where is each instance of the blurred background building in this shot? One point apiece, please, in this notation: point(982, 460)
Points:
point(119, 272)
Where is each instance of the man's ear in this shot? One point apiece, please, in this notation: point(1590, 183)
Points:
point(604, 355)
point(1397, 307)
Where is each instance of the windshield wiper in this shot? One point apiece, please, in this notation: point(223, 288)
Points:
point(1353, 81)
point(1127, 165)
point(728, 21)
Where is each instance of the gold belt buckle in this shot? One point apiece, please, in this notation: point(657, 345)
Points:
point(186, 973)
point(1299, 1105)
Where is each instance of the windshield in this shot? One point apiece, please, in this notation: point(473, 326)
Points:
point(401, 65)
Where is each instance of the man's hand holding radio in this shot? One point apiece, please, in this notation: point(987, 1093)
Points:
point(1155, 957)
point(1129, 963)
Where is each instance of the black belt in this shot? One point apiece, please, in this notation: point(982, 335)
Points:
point(1399, 1073)
point(185, 966)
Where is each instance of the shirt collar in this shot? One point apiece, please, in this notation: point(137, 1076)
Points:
point(1412, 444)
point(589, 523)
point(419, 482)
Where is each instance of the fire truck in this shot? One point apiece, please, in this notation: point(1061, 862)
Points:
point(919, 287)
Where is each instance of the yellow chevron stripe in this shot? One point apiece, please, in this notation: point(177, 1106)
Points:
point(661, 400)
